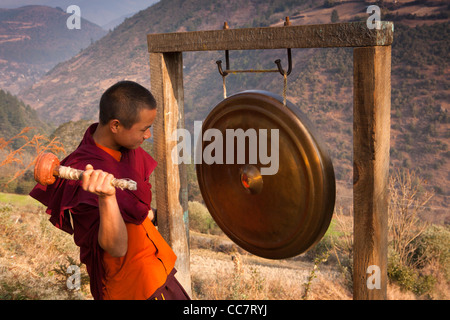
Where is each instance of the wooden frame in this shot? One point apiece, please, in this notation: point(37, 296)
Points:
point(371, 131)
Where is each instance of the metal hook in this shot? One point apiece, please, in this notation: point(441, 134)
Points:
point(277, 62)
point(227, 61)
point(219, 65)
point(227, 57)
point(280, 68)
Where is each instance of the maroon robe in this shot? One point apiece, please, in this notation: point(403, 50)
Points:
point(65, 195)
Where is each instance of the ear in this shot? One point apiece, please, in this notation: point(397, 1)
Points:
point(114, 125)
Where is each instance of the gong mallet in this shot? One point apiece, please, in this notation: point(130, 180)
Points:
point(47, 168)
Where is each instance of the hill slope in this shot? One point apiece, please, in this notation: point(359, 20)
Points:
point(123, 53)
point(320, 83)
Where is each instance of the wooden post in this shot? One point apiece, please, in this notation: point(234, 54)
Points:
point(171, 181)
point(371, 134)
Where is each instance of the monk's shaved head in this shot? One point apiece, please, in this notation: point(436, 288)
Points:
point(123, 101)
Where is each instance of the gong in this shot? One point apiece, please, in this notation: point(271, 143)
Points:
point(273, 210)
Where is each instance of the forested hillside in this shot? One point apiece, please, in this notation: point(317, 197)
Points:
point(16, 115)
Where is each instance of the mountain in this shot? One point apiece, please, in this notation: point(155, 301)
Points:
point(122, 54)
point(33, 39)
point(100, 12)
point(320, 83)
point(114, 23)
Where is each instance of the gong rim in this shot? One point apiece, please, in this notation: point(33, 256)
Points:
point(266, 223)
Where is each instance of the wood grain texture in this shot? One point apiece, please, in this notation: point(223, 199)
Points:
point(371, 138)
point(353, 34)
point(171, 182)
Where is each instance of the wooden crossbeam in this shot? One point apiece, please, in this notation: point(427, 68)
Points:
point(353, 34)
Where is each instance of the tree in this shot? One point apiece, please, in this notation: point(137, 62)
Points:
point(408, 198)
point(34, 146)
point(334, 16)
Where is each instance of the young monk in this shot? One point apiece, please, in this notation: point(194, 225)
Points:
point(125, 256)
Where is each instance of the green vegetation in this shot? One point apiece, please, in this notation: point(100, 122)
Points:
point(334, 16)
point(200, 219)
point(428, 265)
point(32, 252)
point(15, 115)
point(23, 135)
point(19, 200)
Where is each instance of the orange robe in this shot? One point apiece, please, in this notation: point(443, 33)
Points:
point(146, 265)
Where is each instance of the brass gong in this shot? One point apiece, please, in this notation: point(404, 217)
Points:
point(277, 215)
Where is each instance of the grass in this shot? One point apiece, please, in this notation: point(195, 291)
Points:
point(32, 252)
point(234, 275)
point(19, 200)
point(34, 256)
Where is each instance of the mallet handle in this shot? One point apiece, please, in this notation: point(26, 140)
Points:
point(76, 174)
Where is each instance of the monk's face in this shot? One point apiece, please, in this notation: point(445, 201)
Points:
point(140, 131)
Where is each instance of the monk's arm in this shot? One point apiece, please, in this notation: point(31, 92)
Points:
point(112, 234)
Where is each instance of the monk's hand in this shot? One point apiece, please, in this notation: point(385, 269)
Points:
point(151, 214)
point(112, 231)
point(97, 182)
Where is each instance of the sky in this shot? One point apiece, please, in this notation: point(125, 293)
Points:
point(100, 12)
